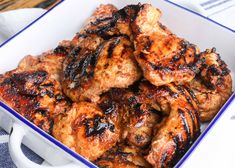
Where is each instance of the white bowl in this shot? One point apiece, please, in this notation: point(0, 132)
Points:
point(13, 21)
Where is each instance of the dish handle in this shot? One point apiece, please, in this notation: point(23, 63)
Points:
point(17, 155)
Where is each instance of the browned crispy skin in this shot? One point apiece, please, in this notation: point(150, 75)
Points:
point(142, 119)
point(122, 156)
point(118, 127)
point(98, 19)
point(86, 130)
point(50, 61)
point(139, 130)
point(79, 59)
point(33, 89)
point(89, 75)
point(116, 25)
point(102, 59)
point(88, 39)
point(180, 128)
point(163, 57)
point(116, 102)
point(212, 86)
point(92, 129)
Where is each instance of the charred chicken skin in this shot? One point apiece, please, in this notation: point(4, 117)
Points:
point(163, 57)
point(86, 130)
point(91, 74)
point(142, 118)
point(34, 90)
point(100, 61)
point(50, 61)
point(212, 86)
point(92, 129)
point(180, 128)
point(114, 116)
point(122, 156)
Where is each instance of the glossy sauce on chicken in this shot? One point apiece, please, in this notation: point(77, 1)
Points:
point(124, 92)
point(34, 89)
point(101, 59)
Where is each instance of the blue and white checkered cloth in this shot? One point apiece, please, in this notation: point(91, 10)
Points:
point(5, 158)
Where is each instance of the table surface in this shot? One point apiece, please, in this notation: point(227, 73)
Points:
point(6, 5)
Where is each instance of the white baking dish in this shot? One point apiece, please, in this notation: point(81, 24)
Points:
point(62, 22)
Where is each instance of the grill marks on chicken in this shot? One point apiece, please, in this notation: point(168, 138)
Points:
point(180, 128)
point(212, 86)
point(92, 129)
point(90, 74)
point(86, 130)
point(117, 120)
point(19, 93)
point(141, 123)
point(101, 16)
point(163, 57)
point(34, 95)
point(122, 156)
point(116, 25)
point(34, 89)
point(99, 63)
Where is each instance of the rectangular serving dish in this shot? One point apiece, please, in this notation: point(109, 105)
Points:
point(62, 22)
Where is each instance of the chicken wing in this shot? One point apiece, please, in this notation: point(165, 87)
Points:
point(163, 57)
point(212, 86)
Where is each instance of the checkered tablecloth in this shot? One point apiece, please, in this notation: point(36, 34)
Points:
point(5, 159)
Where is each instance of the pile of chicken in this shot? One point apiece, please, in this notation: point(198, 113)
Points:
point(124, 92)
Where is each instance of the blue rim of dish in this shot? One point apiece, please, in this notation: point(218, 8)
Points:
point(30, 124)
point(198, 14)
point(46, 135)
point(204, 133)
point(77, 156)
point(172, 3)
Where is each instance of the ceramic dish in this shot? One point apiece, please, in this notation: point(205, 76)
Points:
point(62, 22)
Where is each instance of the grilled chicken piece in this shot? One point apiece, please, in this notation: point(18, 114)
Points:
point(102, 59)
point(163, 57)
point(33, 89)
point(179, 130)
point(116, 25)
point(86, 130)
point(88, 39)
point(212, 86)
point(142, 119)
point(50, 61)
point(122, 156)
point(111, 65)
point(97, 21)
point(92, 129)
point(115, 102)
